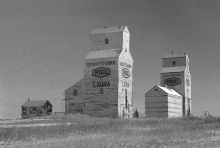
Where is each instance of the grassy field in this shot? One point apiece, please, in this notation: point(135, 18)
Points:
point(84, 131)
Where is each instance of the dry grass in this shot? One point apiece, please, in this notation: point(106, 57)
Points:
point(96, 132)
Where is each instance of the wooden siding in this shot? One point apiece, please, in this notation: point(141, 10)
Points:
point(36, 111)
point(125, 89)
point(115, 41)
point(101, 91)
point(69, 93)
point(69, 101)
point(178, 87)
point(70, 96)
point(163, 106)
point(188, 90)
point(183, 88)
point(103, 77)
point(71, 105)
point(180, 61)
point(157, 114)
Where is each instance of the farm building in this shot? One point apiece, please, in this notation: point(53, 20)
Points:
point(163, 102)
point(36, 108)
point(74, 98)
point(175, 79)
point(106, 88)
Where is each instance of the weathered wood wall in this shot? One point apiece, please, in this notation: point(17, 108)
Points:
point(97, 41)
point(101, 88)
point(179, 86)
point(103, 82)
point(40, 111)
point(163, 106)
point(125, 98)
point(163, 102)
point(188, 102)
point(71, 97)
point(107, 75)
point(168, 62)
point(183, 78)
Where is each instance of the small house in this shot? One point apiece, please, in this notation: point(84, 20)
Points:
point(36, 108)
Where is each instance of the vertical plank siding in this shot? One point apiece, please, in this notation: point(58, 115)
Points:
point(101, 92)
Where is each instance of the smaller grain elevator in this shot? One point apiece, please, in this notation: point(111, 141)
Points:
point(173, 97)
point(175, 74)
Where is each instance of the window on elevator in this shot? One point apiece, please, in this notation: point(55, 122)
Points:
point(75, 92)
point(174, 63)
point(106, 41)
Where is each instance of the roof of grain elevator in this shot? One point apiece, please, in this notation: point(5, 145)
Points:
point(109, 53)
point(109, 30)
point(173, 69)
point(174, 55)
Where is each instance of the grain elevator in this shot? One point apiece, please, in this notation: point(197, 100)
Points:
point(106, 88)
point(173, 97)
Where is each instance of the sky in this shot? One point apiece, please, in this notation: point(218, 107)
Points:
point(43, 44)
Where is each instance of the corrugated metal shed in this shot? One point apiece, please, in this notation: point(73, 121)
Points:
point(97, 54)
point(173, 69)
point(35, 103)
point(108, 30)
point(175, 55)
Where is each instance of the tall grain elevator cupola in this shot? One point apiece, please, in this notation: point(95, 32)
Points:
point(175, 74)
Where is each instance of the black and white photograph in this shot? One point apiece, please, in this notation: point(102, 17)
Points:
point(109, 73)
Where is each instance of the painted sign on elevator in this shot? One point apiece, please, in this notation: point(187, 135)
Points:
point(125, 73)
point(101, 72)
point(172, 81)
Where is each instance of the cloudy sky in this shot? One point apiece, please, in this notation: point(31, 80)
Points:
point(43, 44)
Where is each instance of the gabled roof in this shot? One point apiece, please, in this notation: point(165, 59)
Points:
point(109, 30)
point(167, 91)
point(174, 55)
point(108, 53)
point(173, 69)
point(79, 83)
point(35, 103)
